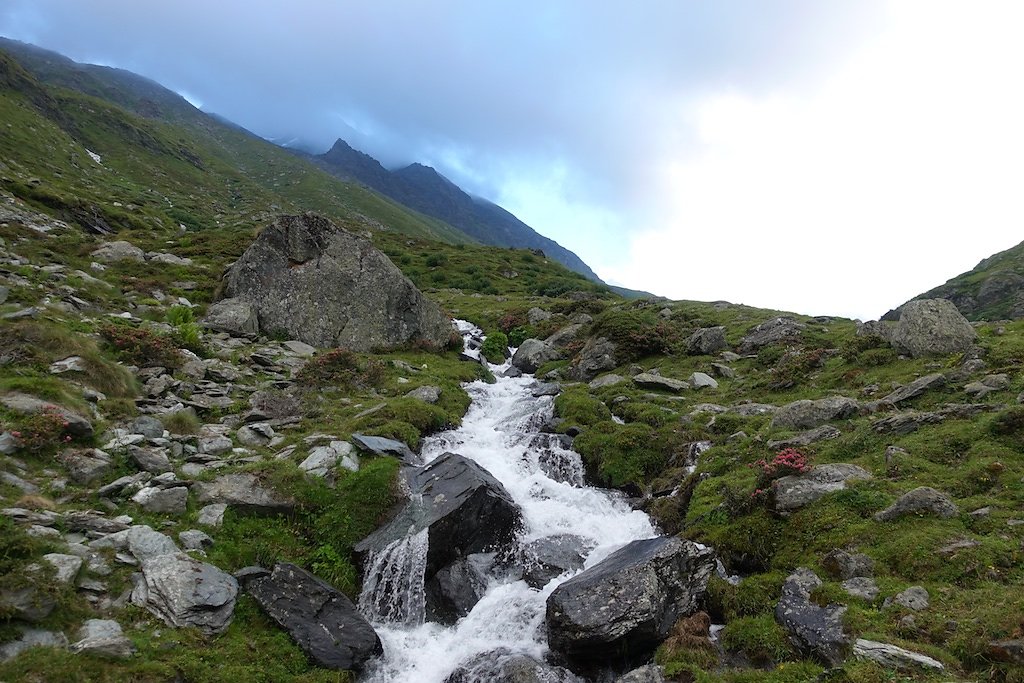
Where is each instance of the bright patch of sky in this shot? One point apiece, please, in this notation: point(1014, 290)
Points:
point(823, 157)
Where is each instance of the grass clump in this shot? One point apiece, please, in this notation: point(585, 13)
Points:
point(182, 422)
point(760, 638)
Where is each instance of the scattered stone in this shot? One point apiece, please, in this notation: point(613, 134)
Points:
point(905, 423)
point(85, 465)
point(795, 491)
point(427, 393)
point(185, 592)
point(987, 385)
point(597, 356)
point(916, 388)
point(536, 315)
point(814, 630)
point(328, 287)
point(300, 349)
point(113, 252)
point(922, 500)
point(707, 341)
point(914, 598)
point(546, 389)
point(651, 673)
point(103, 637)
point(27, 603)
point(212, 515)
point(14, 480)
point(608, 380)
point(235, 316)
point(807, 414)
point(153, 460)
point(170, 501)
point(892, 657)
point(66, 567)
point(843, 565)
point(194, 539)
point(8, 444)
point(533, 353)
point(723, 371)
point(323, 459)
point(932, 327)
point(215, 445)
point(244, 492)
point(1007, 650)
point(861, 587)
point(148, 426)
point(322, 621)
point(381, 446)
point(822, 433)
point(753, 409)
point(624, 606)
point(647, 380)
point(699, 380)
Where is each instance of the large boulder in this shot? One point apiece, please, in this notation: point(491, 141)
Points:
point(597, 356)
point(504, 666)
point(533, 353)
point(328, 287)
point(814, 630)
point(774, 331)
point(807, 414)
point(932, 327)
point(113, 252)
point(625, 606)
point(319, 618)
point(461, 508)
point(186, 592)
point(706, 341)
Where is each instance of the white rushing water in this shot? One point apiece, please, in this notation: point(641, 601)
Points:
point(500, 432)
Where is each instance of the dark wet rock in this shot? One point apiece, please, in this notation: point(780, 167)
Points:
point(453, 591)
point(916, 388)
point(185, 592)
point(822, 433)
point(624, 606)
point(243, 492)
point(329, 288)
point(551, 556)
point(651, 673)
point(922, 500)
point(841, 564)
point(504, 666)
point(931, 327)
point(774, 331)
point(814, 630)
point(707, 341)
point(807, 414)
point(463, 507)
point(382, 446)
point(321, 620)
point(533, 353)
point(597, 356)
point(795, 491)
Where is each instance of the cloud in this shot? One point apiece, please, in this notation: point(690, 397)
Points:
point(900, 171)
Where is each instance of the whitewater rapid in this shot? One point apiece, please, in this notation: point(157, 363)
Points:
point(501, 433)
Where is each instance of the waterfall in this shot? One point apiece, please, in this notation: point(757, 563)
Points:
point(500, 432)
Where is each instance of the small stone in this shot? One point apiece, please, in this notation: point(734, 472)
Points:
point(70, 364)
point(194, 539)
point(103, 637)
point(914, 598)
point(212, 515)
point(861, 587)
point(171, 501)
point(148, 426)
point(427, 393)
point(699, 380)
point(892, 657)
point(66, 566)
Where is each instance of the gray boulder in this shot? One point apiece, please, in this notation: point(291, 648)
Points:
point(170, 501)
point(243, 492)
point(905, 422)
point(707, 341)
point(552, 556)
point(533, 353)
point(892, 657)
point(148, 426)
point(807, 414)
point(329, 287)
point(861, 587)
point(24, 404)
point(647, 380)
point(103, 637)
point(236, 316)
point(624, 606)
point(27, 602)
point(379, 445)
point(916, 388)
point(700, 380)
point(932, 327)
point(85, 465)
point(774, 331)
point(814, 630)
point(563, 336)
point(427, 393)
point(185, 592)
point(845, 565)
point(504, 666)
point(597, 356)
point(321, 620)
point(919, 501)
point(651, 673)
point(608, 380)
point(113, 252)
point(914, 598)
point(796, 491)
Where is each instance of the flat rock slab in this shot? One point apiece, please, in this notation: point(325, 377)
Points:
point(807, 414)
point(32, 638)
point(919, 501)
point(382, 446)
point(243, 492)
point(321, 620)
point(796, 491)
point(647, 380)
point(103, 637)
point(185, 592)
point(77, 425)
point(892, 657)
point(624, 606)
point(916, 388)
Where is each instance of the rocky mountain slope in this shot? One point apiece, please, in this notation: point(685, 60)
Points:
point(992, 290)
point(424, 189)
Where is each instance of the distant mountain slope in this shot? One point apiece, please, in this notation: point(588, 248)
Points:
point(425, 190)
point(992, 290)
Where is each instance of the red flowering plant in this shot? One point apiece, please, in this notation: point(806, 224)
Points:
point(786, 462)
point(41, 430)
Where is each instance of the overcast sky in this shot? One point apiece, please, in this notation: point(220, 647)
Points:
point(823, 157)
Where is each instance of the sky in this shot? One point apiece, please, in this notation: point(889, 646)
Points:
point(828, 158)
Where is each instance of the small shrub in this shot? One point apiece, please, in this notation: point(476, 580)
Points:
point(518, 335)
point(141, 346)
point(1009, 422)
point(341, 368)
point(180, 315)
point(786, 462)
point(495, 347)
point(41, 431)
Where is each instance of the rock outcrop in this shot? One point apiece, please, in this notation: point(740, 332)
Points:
point(328, 287)
point(807, 414)
point(186, 592)
point(814, 630)
point(624, 606)
point(932, 327)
